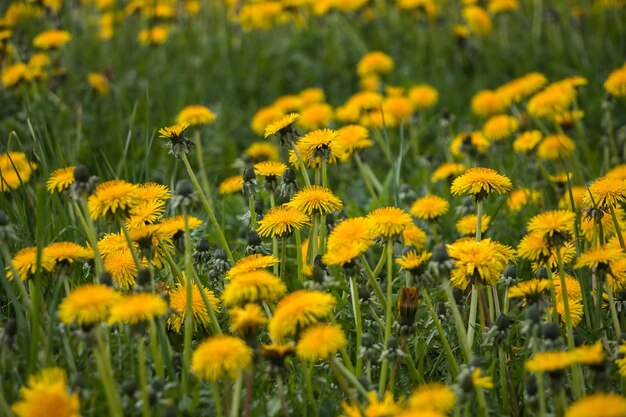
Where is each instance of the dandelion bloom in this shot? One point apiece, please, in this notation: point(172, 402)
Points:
point(522, 87)
point(589, 354)
point(500, 127)
point(375, 63)
point(137, 308)
point(399, 108)
point(231, 185)
point(553, 223)
point(88, 304)
point(520, 197)
point(597, 256)
point(447, 171)
point(351, 138)
point(554, 147)
point(320, 341)
point(554, 99)
point(432, 396)
point(51, 39)
point(550, 362)
point(220, 356)
point(315, 199)
point(67, 252)
point(480, 182)
point(263, 117)
point(199, 313)
point(311, 95)
point(299, 309)
point(251, 287)
point(270, 169)
point(354, 231)
point(195, 115)
point(154, 191)
point(318, 146)
point(13, 74)
point(423, 96)
point(287, 103)
point(606, 192)
point(478, 20)
point(155, 35)
point(388, 222)
point(487, 103)
point(481, 261)
point(47, 394)
point(466, 225)
point(246, 320)
point(412, 261)
point(147, 212)
point(121, 265)
point(429, 207)
point(25, 263)
point(598, 405)
point(414, 236)
point(315, 116)
point(469, 143)
point(480, 381)
point(526, 142)
point(341, 255)
point(60, 179)
point(112, 198)
point(281, 221)
point(615, 84)
point(262, 151)
point(99, 83)
point(531, 290)
point(281, 124)
point(251, 263)
point(15, 170)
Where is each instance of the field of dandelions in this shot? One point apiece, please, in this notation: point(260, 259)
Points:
point(360, 208)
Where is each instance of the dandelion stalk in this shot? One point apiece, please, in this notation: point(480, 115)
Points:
point(305, 173)
point(143, 378)
point(388, 314)
point(207, 207)
point(299, 255)
point(313, 241)
point(618, 229)
point(356, 308)
point(103, 365)
point(454, 366)
point(349, 376)
point(373, 282)
point(200, 157)
point(87, 223)
point(217, 399)
point(308, 370)
point(458, 320)
point(252, 212)
point(616, 324)
point(235, 403)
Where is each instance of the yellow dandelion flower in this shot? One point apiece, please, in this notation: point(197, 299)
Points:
point(99, 83)
point(60, 179)
point(414, 236)
point(480, 182)
point(317, 146)
point(606, 192)
point(388, 222)
point(518, 89)
point(599, 255)
point(251, 263)
point(500, 127)
point(51, 39)
point(466, 225)
point(315, 116)
point(46, 393)
point(280, 125)
point(220, 356)
point(589, 354)
point(281, 221)
point(432, 396)
point(154, 191)
point(67, 252)
point(174, 226)
point(320, 341)
point(526, 142)
point(174, 132)
point(88, 304)
point(481, 261)
point(598, 405)
point(551, 223)
point(487, 103)
point(199, 313)
point(245, 321)
point(578, 193)
point(464, 143)
point(520, 197)
point(15, 170)
point(112, 198)
point(251, 287)
point(554, 361)
point(531, 290)
point(288, 103)
point(554, 147)
point(12, 75)
point(615, 84)
point(480, 381)
point(315, 199)
point(423, 96)
point(147, 212)
point(554, 99)
point(618, 172)
point(574, 292)
point(121, 265)
point(343, 254)
point(311, 95)
point(155, 35)
point(502, 6)
point(355, 231)
point(299, 309)
point(262, 151)
point(412, 261)
point(195, 115)
point(231, 185)
point(263, 117)
point(399, 108)
point(271, 169)
point(351, 138)
point(375, 63)
point(478, 20)
point(429, 207)
point(136, 308)
point(25, 263)
point(447, 171)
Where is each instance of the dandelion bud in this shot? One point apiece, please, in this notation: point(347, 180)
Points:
point(184, 188)
point(106, 278)
point(550, 331)
point(81, 174)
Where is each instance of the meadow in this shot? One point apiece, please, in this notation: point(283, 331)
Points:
point(359, 208)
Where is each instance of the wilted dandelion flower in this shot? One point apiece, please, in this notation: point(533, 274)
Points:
point(315, 199)
point(112, 198)
point(281, 221)
point(320, 341)
point(478, 262)
point(251, 263)
point(199, 312)
point(554, 147)
point(480, 182)
point(527, 141)
point(60, 179)
point(88, 304)
point(598, 405)
point(466, 225)
point(195, 115)
point(389, 222)
point(220, 356)
point(429, 207)
point(615, 84)
point(52, 39)
point(500, 127)
point(46, 394)
point(375, 63)
point(25, 263)
point(136, 308)
point(299, 309)
point(251, 287)
point(432, 396)
point(487, 103)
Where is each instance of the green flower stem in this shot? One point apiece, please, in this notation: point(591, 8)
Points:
point(322, 247)
point(103, 365)
point(377, 319)
point(616, 324)
point(458, 320)
point(8, 260)
point(208, 209)
point(366, 178)
point(388, 316)
point(299, 255)
point(349, 376)
point(415, 374)
point(283, 259)
point(305, 174)
point(618, 230)
point(324, 174)
point(479, 220)
point(542, 395)
point(188, 323)
point(235, 403)
point(504, 394)
point(129, 242)
point(356, 308)
point(281, 394)
point(275, 253)
point(454, 366)
point(86, 221)
point(308, 370)
point(312, 249)
point(471, 326)
point(373, 282)
point(166, 349)
point(217, 399)
point(252, 213)
point(154, 349)
point(35, 330)
point(200, 157)
point(143, 378)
